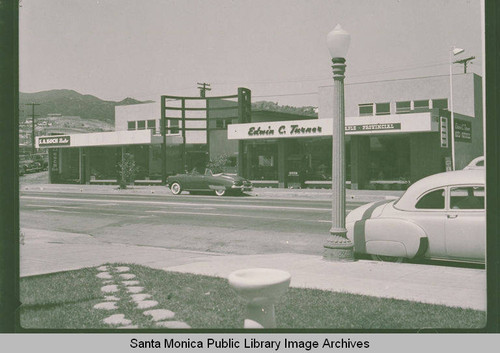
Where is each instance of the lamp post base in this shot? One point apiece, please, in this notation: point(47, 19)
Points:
point(338, 248)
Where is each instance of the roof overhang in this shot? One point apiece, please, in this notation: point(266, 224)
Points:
point(364, 125)
point(95, 139)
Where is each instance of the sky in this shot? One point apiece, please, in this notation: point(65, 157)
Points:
point(115, 49)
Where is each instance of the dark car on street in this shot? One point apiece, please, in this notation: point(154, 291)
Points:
point(220, 183)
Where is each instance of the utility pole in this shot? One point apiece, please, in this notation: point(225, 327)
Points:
point(465, 61)
point(203, 87)
point(33, 150)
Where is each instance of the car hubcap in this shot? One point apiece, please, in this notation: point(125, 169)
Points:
point(384, 258)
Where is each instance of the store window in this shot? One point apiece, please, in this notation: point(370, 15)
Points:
point(173, 126)
point(152, 125)
point(440, 103)
point(131, 125)
point(141, 125)
point(403, 107)
point(383, 108)
point(223, 123)
point(365, 109)
point(421, 105)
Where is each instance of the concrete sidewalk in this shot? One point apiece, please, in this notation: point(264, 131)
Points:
point(268, 193)
point(48, 251)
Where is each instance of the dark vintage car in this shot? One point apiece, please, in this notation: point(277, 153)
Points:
point(221, 183)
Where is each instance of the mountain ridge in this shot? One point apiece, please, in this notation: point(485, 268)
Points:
point(69, 102)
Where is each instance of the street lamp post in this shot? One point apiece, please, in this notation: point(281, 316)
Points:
point(453, 51)
point(338, 247)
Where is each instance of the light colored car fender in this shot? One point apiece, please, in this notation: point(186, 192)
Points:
point(388, 236)
point(217, 187)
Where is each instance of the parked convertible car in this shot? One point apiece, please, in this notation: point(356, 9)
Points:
point(439, 217)
point(221, 183)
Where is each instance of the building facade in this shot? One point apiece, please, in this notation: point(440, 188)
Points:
point(397, 131)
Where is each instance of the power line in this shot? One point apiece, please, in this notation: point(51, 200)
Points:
point(203, 87)
point(350, 84)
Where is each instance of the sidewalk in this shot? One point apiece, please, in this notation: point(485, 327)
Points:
point(49, 251)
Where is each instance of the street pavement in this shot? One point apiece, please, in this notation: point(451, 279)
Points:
point(47, 251)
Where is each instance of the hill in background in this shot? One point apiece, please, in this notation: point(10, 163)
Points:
point(71, 103)
point(87, 107)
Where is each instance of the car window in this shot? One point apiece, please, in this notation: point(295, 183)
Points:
point(432, 200)
point(467, 198)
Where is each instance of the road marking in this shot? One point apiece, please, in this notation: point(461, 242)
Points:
point(179, 204)
point(99, 214)
point(237, 215)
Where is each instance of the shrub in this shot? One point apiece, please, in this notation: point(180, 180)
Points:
point(127, 169)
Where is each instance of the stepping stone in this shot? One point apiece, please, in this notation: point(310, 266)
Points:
point(122, 269)
point(135, 289)
point(130, 283)
point(108, 281)
point(173, 324)
point(111, 298)
point(110, 289)
point(140, 297)
point(144, 304)
point(129, 326)
point(102, 268)
point(106, 306)
point(104, 275)
point(117, 319)
point(160, 314)
point(127, 275)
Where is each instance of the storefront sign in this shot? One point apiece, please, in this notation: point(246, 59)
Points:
point(372, 127)
point(443, 128)
point(54, 158)
point(463, 130)
point(54, 141)
point(419, 122)
point(285, 130)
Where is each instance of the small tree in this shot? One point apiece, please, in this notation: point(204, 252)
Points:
point(127, 169)
point(217, 164)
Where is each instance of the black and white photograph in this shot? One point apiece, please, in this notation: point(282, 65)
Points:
point(256, 166)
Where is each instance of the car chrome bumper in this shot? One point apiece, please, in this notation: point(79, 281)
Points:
point(242, 187)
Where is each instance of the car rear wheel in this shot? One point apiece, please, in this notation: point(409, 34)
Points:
point(384, 258)
point(176, 188)
point(220, 192)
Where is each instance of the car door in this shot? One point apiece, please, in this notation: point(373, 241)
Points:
point(194, 180)
point(466, 223)
point(430, 215)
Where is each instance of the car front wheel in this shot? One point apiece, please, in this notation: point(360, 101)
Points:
point(220, 192)
point(176, 188)
point(384, 258)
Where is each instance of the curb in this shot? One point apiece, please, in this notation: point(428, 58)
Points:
point(257, 193)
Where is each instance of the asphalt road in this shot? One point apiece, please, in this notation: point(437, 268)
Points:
point(234, 225)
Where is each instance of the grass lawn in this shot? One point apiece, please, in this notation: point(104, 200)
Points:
point(65, 300)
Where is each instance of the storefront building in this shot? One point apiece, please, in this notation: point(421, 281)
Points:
point(397, 132)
